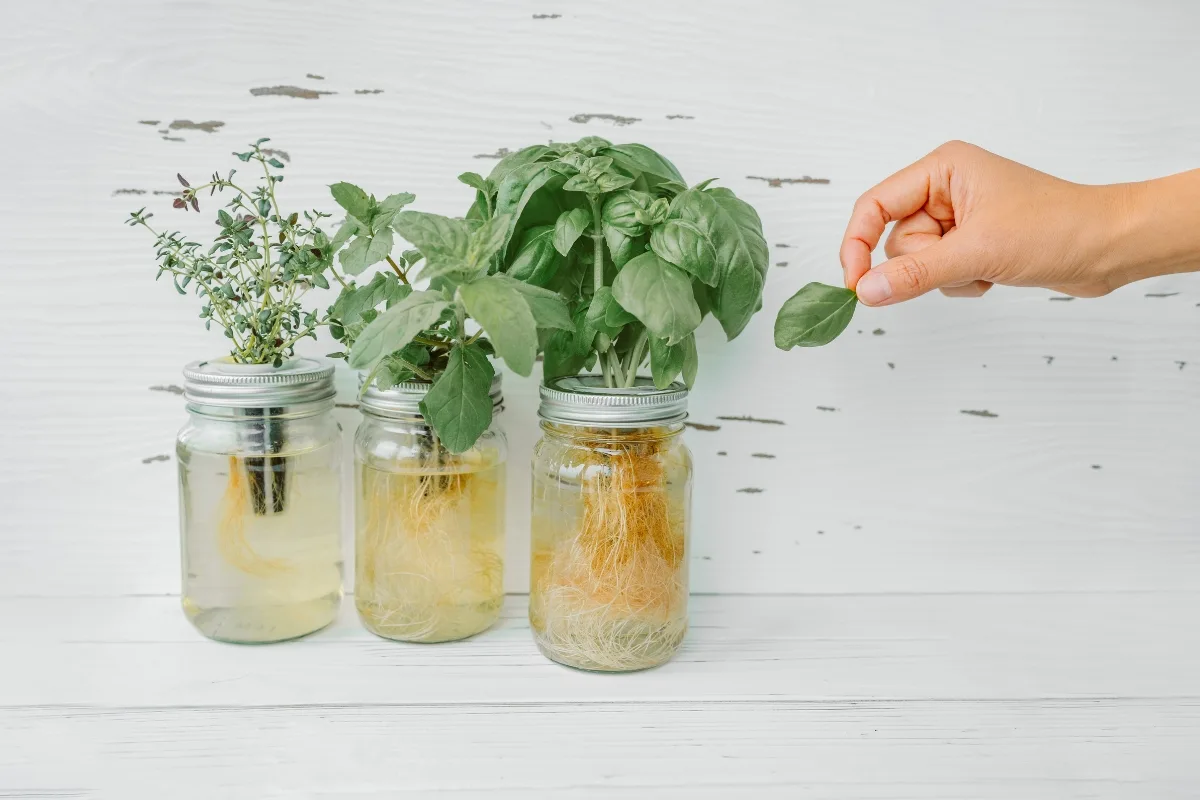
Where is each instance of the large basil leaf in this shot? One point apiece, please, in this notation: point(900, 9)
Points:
point(570, 226)
point(459, 404)
point(561, 356)
point(537, 260)
point(658, 294)
point(666, 361)
point(433, 233)
point(620, 211)
point(514, 161)
point(814, 316)
point(505, 316)
point(637, 158)
point(548, 308)
point(520, 186)
point(396, 327)
point(365, 250)
point(686, 246)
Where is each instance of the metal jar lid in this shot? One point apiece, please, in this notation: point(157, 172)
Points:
point(221, 382)
point(585, 400)
point(404, 399)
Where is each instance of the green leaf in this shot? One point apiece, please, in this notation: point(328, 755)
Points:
point(620, 212)
point(582, 183)
point(639, 159)
point(666, 360)
point(691, 360)
point(459, 404)
point(366, 250)
point(814, 316)
point(384, 287)
point(487, 241)
point(548, 308)
point(433, 233)
point(622, 247)
point(537, 260)
point(612, 181)
point(735, 231)
point(570, 226)
point(591, 145)
point(561, 357)
point(387, 210)
point(396, 327)
point(503, 313)
point(514, 161)
point(476, 181)
point(658, 294)
point(686, 246)
point(520, 186)
point(354, 200)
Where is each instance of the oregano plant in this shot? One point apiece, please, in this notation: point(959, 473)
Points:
point(814, 316)
point(638, 257)
point(397, 332)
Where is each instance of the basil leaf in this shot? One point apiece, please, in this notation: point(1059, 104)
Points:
point(814, 316)
point(432, 233)
point(620, 212)
point(591, 145)
point(366, 250)
point(487, 240)
point(612, 181)
point(519, 188)
point(561, 356)
point(666, 361)
point(658, 294)
point(548, 308)
point(514, 161)
point(686, 246)
point(354, 200)
point(475, 181)
point(691, 360)
point(537, 260)
point(504, 314)
point(622, 247)
point(637, 158)
point(459, 405)
point(396, 327)
point(570, 226)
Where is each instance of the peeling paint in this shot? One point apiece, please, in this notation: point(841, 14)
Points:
point(164, 130)
point(148, 121)
point(288, 91)
point(680, 116)
point(722, 453)
point(878, 332)
point(778, 182)
point(501, 153)
point(891, 365)
point(700, 426)
point(615, 119)
point(169, 388)
point(978, 412)
point(368, 91)
point(826, 408)
point(858, 527)
point(1095, 466)
point(754, 419)
point(1181, 364)
point(1114, 358)
point(118, 192)
point(545, 124)
point(783, 244)
point(345, 405)
point(314, 76)
point(547, 16)
point(781, 263)
point(762, 455)
point(174, 139)
point(1161, 294)
point(757, 552)
point(166, 192)
point(282, 154)
point(1049, 360)
point(152, 459)
point(209, 126)
point(750, 490)
point(820, 533)
point(706, 558)
point(1062, 299)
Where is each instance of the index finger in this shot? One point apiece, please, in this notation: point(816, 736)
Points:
point(897, 197)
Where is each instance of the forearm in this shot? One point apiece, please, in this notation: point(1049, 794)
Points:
point(1154, 228)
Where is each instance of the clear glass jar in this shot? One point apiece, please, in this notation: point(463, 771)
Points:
point(260, 500)
point(611, 516)
point(429, 524)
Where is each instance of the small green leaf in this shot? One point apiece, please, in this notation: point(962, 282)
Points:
point(389, 208)
point(683, 244)
point(561, 357)
point(365, 251)
point(503, 313)
point(548, 308)
point(275, 162)
point(638, 159)
point(658, 294)
point(459, 405)
point(537, 261)
point(591, 145)
point(612, 181)
point(440, 265)
point(354, 200)
point(582, 183)
point(433, 233)
point(487, 241)
point(475, 181)
point(570, 226)
point(396, 327)
point(691, 360)
point(666, 361)
point(814, 316)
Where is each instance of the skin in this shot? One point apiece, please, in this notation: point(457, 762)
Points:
point(966, 219)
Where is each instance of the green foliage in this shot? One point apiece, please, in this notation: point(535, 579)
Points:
point(814, 316)
point(459, 404)
point(638, 258)
point(262, 262)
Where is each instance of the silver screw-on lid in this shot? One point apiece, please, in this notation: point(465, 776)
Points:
point(585, 400)
point(221, 382)
point(404, 399)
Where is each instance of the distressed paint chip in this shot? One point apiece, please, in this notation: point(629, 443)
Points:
point(878, 332)
point(368, 91)
point(160, 457)
point(781, 263)
point(149, 121)
point(118, 192)
point(174, 139)
point(208, 126)
point(1049, 360)
point(501, 153)
point(776, 183)
point(314, 76)
point(680, 116)
point(547, 16)
point(722, 453)
point(1062, 299)
point(783, 245)
point(700, 426)
point(1181, 364)
point(983, 412)
point(750, 490)
point(615, 119)
point(891, 365)
point(169, 388)
point(1096, 466)
point(345, 405)
point(752, 419)
point(827, 408)
point(288, 91)
point(762, 455)
point(1161, 294)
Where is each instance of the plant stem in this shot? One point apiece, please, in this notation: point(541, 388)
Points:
point(597, 243)
point(614, 362)
point(635, 359)
point(399, 271)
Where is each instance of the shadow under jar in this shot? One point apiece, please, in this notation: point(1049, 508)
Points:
point(429, 540)
point(611, 517)
point(260, 500)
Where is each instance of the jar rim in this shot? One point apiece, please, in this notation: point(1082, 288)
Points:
point(223, 383)
point(404, 399)
point(586, 400)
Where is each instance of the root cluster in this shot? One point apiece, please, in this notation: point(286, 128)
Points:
point(232, 543)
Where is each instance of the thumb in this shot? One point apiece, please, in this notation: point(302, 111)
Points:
point(912, 274)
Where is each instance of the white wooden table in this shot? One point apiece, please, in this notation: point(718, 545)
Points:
point(915, 599)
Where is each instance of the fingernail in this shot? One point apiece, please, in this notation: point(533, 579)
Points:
point(873, 288)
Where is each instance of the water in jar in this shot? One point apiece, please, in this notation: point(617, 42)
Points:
point(430, 546)
point(609, 574)
point(261, 546)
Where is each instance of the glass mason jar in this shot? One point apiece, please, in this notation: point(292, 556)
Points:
point(260, 500)
point(429, 524)
point(611, 515)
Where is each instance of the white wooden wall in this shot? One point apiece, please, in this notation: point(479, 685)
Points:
point(1080, 480)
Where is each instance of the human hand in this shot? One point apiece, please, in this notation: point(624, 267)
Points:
point(967, 219)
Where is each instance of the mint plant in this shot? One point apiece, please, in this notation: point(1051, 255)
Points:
point(814, 316)
point(639, 258)
point(397, 332)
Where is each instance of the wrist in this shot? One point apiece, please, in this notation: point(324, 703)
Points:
point(1150, 229)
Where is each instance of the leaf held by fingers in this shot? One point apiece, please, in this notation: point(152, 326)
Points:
point(814, 316)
